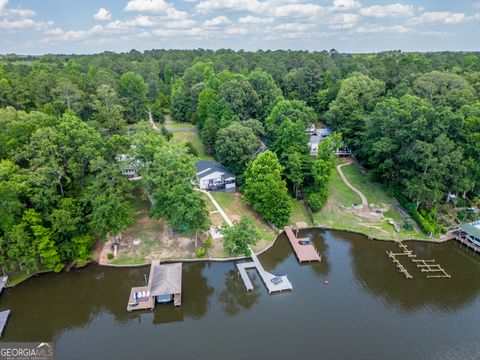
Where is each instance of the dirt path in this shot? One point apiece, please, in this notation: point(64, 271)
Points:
point(150, 118)
point(354, 189)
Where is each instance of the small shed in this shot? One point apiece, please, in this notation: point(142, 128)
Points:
point(165, 282)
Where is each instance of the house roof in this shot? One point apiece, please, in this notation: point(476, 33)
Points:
point(165, 279)
point(472, 229)
point(207, 167)
point(314, 140)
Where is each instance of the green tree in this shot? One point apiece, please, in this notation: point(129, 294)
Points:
point(238, 238)
point(265, 190)
point(236, 146)
point(444, 89)
point(108, 111)
point(133, 91)
point(296, 111)
point(357, 97)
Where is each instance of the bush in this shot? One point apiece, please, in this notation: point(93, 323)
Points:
point(167, 133)
point(316, 200)
point(157, 111)
point(408, 224)
point(208, 243)
point(109, 256)
point(191, 149)
point(201, 252)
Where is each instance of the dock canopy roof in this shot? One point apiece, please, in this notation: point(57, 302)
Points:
point(472, 229)
point(165, 279)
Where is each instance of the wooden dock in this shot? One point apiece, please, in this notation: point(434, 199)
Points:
point(463, 240)
point(426, 266)
point(304, 253)
point(399, 265)
point(429, 266)
point(266, 277)
point(142, 303)
point(3, 320)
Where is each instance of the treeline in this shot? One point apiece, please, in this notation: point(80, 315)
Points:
point(413, 118)
point(60, 189)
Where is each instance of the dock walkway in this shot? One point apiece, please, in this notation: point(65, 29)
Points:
point(304, 253)
point(3, 282)
point(267, 277)
point(3, 320)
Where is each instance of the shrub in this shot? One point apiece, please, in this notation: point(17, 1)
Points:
point(191, 149)
point(208, 243)
point(316, 200)
point(167, 133)
point(201, 252)
point(109, 256)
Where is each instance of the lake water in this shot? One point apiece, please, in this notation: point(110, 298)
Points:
point(367, 311)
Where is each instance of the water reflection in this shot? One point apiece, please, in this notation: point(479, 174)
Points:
point(379, 276)
point(234, 296)
point(373, 307)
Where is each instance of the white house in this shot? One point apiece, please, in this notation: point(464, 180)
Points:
point(130, 166)
point(214, 176)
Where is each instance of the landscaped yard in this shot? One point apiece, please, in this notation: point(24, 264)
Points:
point(235, 209)
point(333, 216)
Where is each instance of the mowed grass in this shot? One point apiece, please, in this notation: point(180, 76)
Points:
point(299, 213)
point(235, 208)
point(374, 191)
point(332, 215)
point(194, 138)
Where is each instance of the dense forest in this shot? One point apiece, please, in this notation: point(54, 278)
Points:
point(412, 118)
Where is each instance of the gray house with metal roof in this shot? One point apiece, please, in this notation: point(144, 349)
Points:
point(471, 232)
point(214, 176)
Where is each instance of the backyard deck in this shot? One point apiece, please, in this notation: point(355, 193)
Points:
point(304, 253)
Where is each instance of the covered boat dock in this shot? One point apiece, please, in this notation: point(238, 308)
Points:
point(164, 284)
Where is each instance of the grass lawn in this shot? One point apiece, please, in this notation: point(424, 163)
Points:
point(372, 190)
point(334, 217)
point(235, 209)
point(194, 138)
point(172, 124)
point(299, 213)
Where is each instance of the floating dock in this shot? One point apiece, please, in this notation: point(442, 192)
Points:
point(304, 253)
point(3, 320)
point(267, 277)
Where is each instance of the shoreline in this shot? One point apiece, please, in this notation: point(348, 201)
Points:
point(187, 260)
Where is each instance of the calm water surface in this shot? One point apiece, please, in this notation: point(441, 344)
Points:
point(367, 311)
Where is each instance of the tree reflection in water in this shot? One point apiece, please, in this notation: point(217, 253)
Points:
point(379, 276)
point(234, 296)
